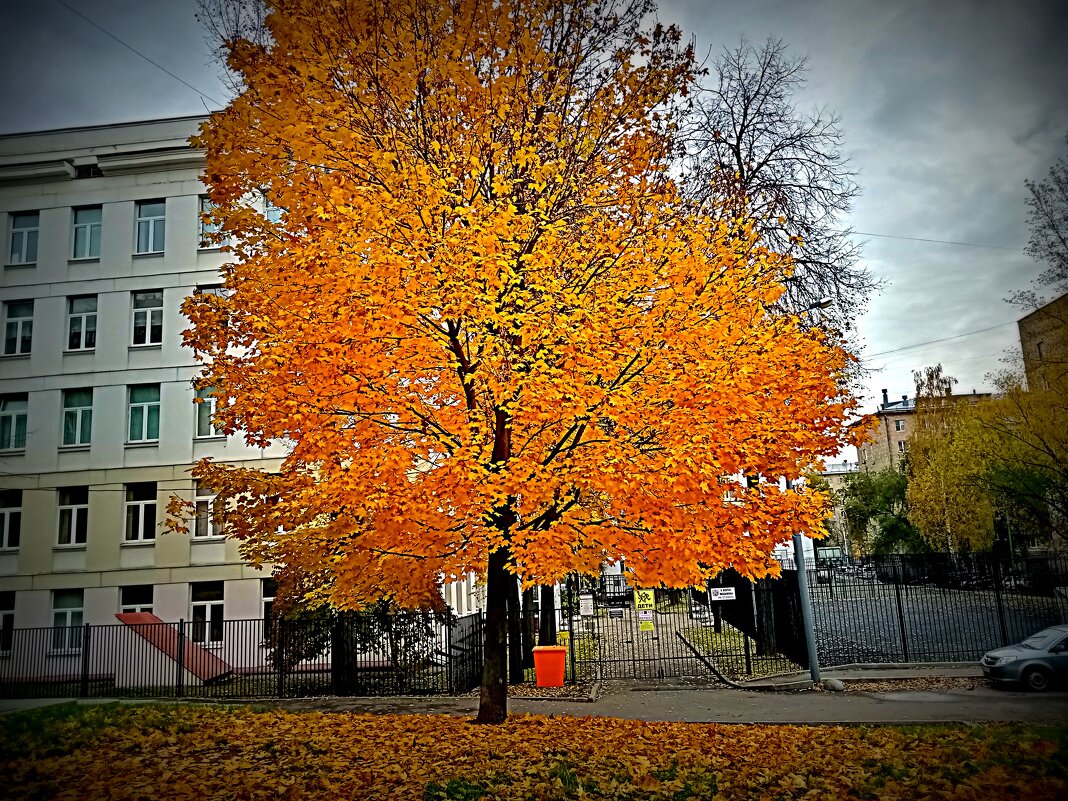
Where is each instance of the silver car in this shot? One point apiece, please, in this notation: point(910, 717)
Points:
point(1037, 662)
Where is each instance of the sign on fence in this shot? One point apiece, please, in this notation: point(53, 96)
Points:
point(644, 599)
point(586, 605)
point(721, 594)
point(645, 619)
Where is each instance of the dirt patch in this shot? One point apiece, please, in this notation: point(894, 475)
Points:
point(937, 684)
point(569, 692)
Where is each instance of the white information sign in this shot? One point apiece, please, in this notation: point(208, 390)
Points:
point(586, 605)
point(721, 594)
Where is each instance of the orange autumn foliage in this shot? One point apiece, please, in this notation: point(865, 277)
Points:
point(484, 318)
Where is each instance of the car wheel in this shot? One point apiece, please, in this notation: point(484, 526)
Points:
point(1037, 679)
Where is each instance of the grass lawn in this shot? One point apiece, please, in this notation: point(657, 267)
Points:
point(190, 752)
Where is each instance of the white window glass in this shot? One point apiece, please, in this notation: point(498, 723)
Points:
point(13, 409)
point(151, 226)
point(206, 524)
point(148, 317)
point(269, 590)
point(24, 230)
point(73, 516)
point(10, 518)
point(77, 416)
point(899, 425)
point(272, 212)
point(144, 413)
point(67, 611)
point(18, 327)
point(205, 411)
point(207, 611)
point(210, 231)
point(81, 322)
point(136, 598)
point(87, 233)
point(141, 511)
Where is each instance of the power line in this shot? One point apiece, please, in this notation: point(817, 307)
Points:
point(935, 241)
point(942, 339)
point(134, 50)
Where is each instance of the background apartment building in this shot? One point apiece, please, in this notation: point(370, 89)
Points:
point(886, 444)
point(1044, 343)
point(103, 240)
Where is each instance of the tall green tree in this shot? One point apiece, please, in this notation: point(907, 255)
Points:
point(876, 515)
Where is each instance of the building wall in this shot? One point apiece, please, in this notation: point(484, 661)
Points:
point(122, 164)
point(886, 444)
point(1044, 342)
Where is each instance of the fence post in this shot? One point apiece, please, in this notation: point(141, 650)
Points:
point(84, 689)
point(901, 613)
point(571, 627)
point(448, 651)
point(179, 684)
point(748, 655)
point(280, 655)
point(1000, 603)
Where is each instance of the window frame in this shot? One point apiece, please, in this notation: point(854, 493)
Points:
point(133, 607)
point(899, 425)
point(203, 630)
point(151, 313)
point(28, 233)
point(203, 399)
point(67, 637)
point(7, 620)
point(23, 329)
point(84, 318)
point(205, 526)
point(10, 519)
point(209, 235)
point(150, 221)
point(89, 228)
point(141, 533)
point(83, 420)
point(145, 407)
point(23, 415)
point(78, 515)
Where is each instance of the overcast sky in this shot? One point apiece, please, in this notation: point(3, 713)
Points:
point(947, 107)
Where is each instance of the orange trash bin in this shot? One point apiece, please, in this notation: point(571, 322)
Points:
point(549, 665)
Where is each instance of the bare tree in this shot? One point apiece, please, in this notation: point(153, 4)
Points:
point(1048, 217)
point(749, 149)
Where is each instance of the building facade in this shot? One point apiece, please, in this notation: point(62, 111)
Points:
point(886, 445)
point(103, 240)
point(1044, 344)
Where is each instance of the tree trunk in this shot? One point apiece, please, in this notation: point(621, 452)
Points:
point(547, 628)
point(528, 628)
point(515, 634)
point(493, 700)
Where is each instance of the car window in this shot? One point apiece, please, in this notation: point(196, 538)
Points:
point(1042, 640)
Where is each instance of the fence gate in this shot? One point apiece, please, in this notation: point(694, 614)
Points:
point(615, 633)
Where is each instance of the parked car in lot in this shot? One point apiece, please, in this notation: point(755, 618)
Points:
point(1037, 662)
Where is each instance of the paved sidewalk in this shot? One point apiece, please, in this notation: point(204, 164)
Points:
point(718, 704)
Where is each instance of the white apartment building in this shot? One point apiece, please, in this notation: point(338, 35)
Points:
point(102, 241)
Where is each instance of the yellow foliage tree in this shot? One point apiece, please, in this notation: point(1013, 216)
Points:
point(495, 339)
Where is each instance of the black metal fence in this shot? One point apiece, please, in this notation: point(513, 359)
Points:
point(609, 637)
point(345, 654)
point(932, 607)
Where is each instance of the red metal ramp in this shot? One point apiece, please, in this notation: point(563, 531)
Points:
point(202, 663)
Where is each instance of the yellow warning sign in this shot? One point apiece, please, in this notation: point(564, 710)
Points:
point(644, 599)
point(646, 625)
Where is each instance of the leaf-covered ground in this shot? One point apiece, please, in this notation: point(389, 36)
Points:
point(181, 752)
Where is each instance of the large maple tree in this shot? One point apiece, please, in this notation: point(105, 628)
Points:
point(495, 339)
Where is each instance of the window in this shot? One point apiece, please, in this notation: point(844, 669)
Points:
point(24, 228)
point(206, 403)
point(151, 226)
point(10, 518)
point(210, 231)
point(87, 233)
point(144, 413)
point(81, 322)
point(206, 524)
point(899, 425)
point(7, 620)
point(1038, 349)
point(18, 327)
point(136, 598)
point(141, 511)
point(207, 611)
point(269, 589)
point(148, 317)
point(13, 410)
point(901, 446)
point(68, 607)
point(272, 212)
point(77, 416)
point(73, 516)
